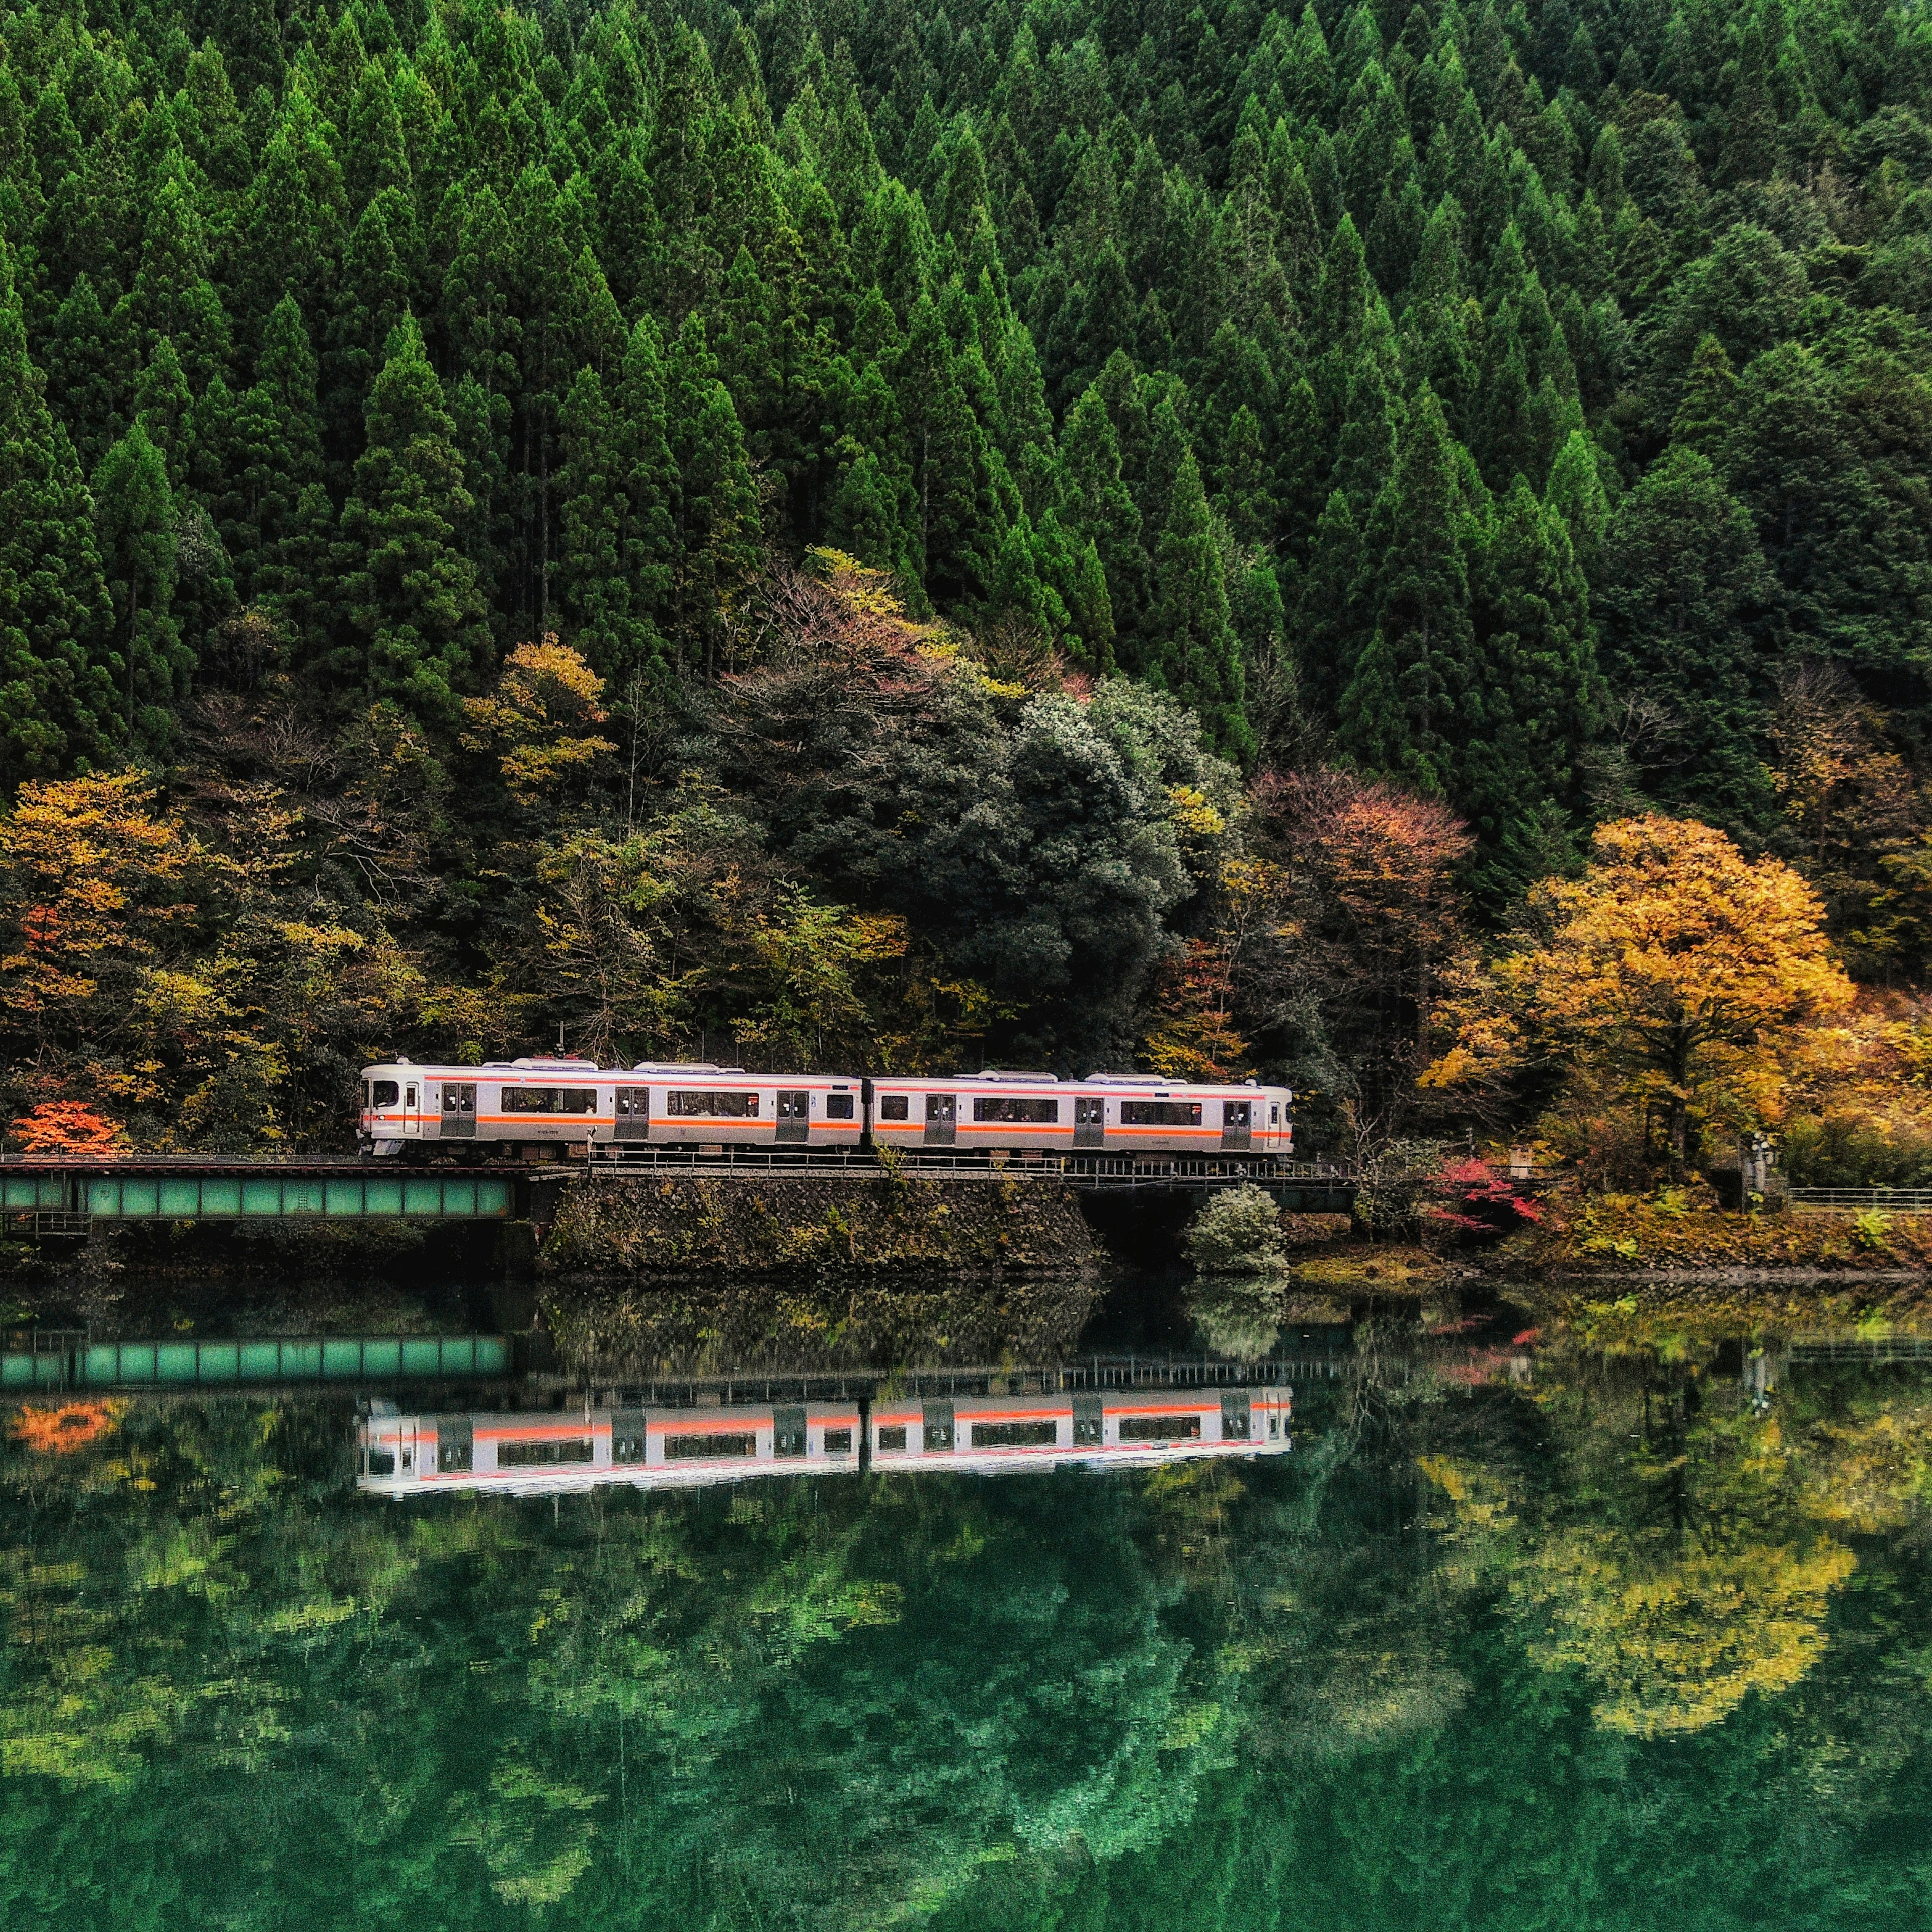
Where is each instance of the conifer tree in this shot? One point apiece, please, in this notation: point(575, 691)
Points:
point(717, 513)
point(413, 601)
point(1192, 650)
point(138, 519)
point(56, 698)
point(1398, 710)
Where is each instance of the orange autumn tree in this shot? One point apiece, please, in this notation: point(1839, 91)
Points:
point(1191, 1035)
point(67, 1126)
point(1673, 975)
point(59, 1432)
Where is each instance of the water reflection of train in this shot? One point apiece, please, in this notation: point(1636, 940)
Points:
point(543, 1451)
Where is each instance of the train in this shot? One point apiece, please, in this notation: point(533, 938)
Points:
point(550, 1452)
point(532, 1107)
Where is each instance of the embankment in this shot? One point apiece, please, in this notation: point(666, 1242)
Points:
point(750, 1224)
point(646, 1274)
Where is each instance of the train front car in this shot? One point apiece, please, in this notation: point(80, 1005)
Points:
point(1001, 1111)
point(533, 1105)
point(535, 1102)
point(535, 1453)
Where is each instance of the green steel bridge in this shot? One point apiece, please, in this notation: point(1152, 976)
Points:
point(66, 1197)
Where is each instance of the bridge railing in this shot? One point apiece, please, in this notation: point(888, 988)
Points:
point(1892, 1200)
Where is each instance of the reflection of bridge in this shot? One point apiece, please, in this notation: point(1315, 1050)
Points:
point(68, 1359)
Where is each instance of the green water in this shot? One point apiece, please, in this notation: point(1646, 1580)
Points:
point(1518, 1636)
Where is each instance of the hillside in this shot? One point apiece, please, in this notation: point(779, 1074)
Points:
point(1460, 427)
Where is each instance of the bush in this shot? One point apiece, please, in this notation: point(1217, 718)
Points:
point(1850, 1151)
point(1238, 1232)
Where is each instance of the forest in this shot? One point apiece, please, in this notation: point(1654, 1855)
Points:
point(913, 536)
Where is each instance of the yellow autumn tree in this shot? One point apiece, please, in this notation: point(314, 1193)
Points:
point(1675, 1640)
point(541, 721)
point(1674, 975)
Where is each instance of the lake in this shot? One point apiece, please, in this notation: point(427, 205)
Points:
point(1501, 1628)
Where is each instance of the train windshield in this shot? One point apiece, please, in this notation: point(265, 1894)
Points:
point(385, 1094)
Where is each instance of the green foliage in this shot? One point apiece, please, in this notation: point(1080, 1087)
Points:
point(1237, 1231)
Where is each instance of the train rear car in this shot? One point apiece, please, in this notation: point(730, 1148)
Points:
point(994, 1434)
point(1131, 1113)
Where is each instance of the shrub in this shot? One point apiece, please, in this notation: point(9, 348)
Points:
point(1845, 1150)
point(1238, 1232)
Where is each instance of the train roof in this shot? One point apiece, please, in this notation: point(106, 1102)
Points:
point(990, 1075)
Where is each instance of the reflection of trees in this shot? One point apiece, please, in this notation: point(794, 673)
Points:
point(791, 1704)
point(1661, 1547)
point(1415, 1675)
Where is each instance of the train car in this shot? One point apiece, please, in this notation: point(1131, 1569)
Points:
point(1106, 1113)
point(543, 1452)
point(547, 1453)
point(996, 1435)
point(511, 1105)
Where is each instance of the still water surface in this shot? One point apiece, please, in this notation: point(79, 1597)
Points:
point(1523, 1631)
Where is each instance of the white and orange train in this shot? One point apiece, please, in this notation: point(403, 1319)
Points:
point(533, 1453)
point(531, 1104)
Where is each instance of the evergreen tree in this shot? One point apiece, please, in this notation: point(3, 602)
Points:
point(138, 519)
point(1192, 650)
point(56, 698)
point(1398, 712)
point(413, 599)
point(1686, 621)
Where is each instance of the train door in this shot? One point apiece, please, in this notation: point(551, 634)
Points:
point(940, 1431)
point(1234, 1410)
point(633, 1114)
point(1089, 1121)
point(1090, 1420)
point(942, 1119)
point(412, 1119)
point(1238, 1120)
point(794, 1116)
point(459, 1110)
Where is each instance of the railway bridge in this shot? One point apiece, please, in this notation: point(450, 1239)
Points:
point(67, 1195)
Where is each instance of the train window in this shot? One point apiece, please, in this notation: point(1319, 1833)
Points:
point(540, 1453)
point(549, 1099)
point(450, 1455)
point(701, 1448)
point(1274, 1114)
point(1017, 1108)
point(382, 1462)
point(627, 1448)
point(1160, 1428)
point(717, 1106)
point(893, 1438)
point(838, 1106)
point(1041, 1434)
point(939, 1435)
point(788, 1433)
point(894, 1106)
point(838, 1442)
point(1160, 1113)
point(387, 1094)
